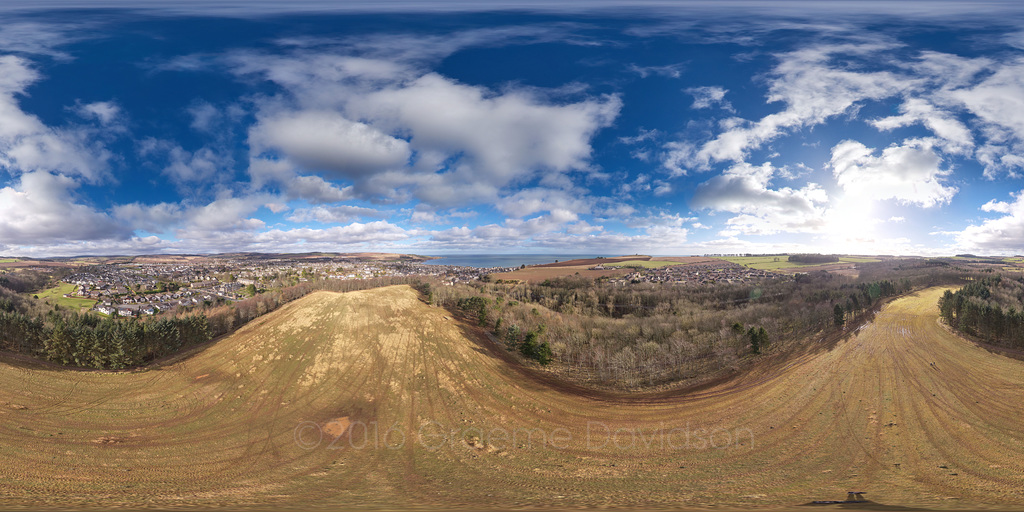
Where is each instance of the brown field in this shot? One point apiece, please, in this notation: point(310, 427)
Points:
point(373, 399)
point(37, 264)
point(591, 262)
point(537, 274)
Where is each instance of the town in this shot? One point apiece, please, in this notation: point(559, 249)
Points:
point(134, 288)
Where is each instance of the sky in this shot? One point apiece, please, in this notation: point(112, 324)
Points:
point(556, 127)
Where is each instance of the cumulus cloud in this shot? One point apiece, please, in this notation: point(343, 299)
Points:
point(26, 144)
point(996, 205)
point(223, 214)
point(326, 141)
point(463, 144)
point(40, 209)
point(313, 189)
point(1003, 234)
point(533, 200)
point(909, 173)
point(746, 190)
point(334, 214)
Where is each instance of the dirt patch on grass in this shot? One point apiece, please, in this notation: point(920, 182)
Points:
point(337, 427)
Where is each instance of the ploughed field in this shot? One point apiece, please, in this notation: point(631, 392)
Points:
point(372, 398)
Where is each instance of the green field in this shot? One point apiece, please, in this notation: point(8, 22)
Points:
point(9, 260)
point(643, 264)
point(780, 262)
point(55, 295)
point(857, 259)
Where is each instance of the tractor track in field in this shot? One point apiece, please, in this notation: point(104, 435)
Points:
point(898, 407)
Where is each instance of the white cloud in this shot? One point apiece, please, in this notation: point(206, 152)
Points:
point(998, 101)
point(998, 159)
point(40, 209)
point(334, 214)
point(310, 188)
point(909, 173)
point(995, 205)
point(813, 91)
point(957, 138)
point(200, 166)
point(224, 214)
point(211, 120)
point(669, 70)
point(466, 143)
point(745, 190)
point(103, 111)
point(1003, 235)
point(533, 200)
point(37, 38)
point(501, 139)
point(326, 141)
point(708, 97)
point(27, 145)
point(662, 188)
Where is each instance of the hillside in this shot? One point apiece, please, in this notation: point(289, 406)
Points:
point(430, 415)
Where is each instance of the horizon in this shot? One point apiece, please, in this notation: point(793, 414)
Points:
point(454, 128)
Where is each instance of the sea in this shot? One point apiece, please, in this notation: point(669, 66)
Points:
point(504, 260)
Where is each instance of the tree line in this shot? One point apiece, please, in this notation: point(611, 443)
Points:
point(991, 308)
point(647, 333)
point(814, 258)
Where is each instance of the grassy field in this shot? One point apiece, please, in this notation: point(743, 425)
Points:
point(9, 260)
point(782, 262)
point(857, 259)
point(373, 399)
point(643, 264)
point(55, 295)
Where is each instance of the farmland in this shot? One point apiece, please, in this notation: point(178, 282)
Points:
point(644, 264)
point(584, 268)
point(782, 262)
point(613, 267)
point(373, 399)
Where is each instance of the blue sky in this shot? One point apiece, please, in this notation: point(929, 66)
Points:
point(543, 127)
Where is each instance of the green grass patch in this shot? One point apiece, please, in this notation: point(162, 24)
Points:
point(643, 264)
point(780, 262)
point(857, 259)
point(9, 260)
point(55, 295)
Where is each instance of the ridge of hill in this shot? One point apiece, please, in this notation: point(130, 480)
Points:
point(375, 399)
